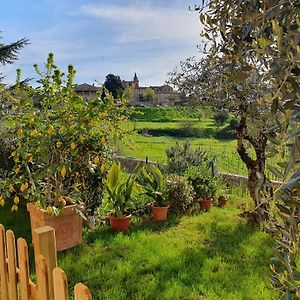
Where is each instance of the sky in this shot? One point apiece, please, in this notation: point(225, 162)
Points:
point(122, 37)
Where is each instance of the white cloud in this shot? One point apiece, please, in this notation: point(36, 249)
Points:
point(141, 23)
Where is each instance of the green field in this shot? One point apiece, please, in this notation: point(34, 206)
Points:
point(154, 147)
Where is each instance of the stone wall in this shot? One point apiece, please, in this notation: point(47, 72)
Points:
point(129, 164)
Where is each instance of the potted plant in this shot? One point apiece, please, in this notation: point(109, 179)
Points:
point(60, 145)
point(152, 181)
point(119, 197)
point(204, 184)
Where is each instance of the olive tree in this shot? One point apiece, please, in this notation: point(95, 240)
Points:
point(264, 35)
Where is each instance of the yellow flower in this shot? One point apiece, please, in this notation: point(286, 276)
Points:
point(26, 197)
point(14, 208)
point(11, 188)
point(17, 170)
point(63, 171)
point(34, 133)
point(31, 121)
point(16, 200)
point(92, 123)
point(73, 146)
point(62, 201)
point(96, 160)
point(58, 144)
point(51, 130)
point(13, 154)
point(103, 140)
point(81, 138)
point(62, 129)
point(102, 168)
point(2, 202)
point(30, 158)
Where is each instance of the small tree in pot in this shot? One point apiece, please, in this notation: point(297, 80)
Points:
point(204, 183)
point(120, 195)
point(153, 182)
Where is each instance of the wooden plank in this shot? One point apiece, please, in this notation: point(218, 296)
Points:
point(23, 261)
point(42, 278)
point(33, 290)
point(12, 265)
point(45, 244)
point(60, 284)
point(81, 292)
point(3, 265)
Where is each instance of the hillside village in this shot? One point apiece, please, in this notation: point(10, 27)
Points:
point(163, 95)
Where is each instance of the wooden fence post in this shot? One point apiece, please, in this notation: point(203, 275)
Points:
point(45, 244)
point(23, 262)
point(42, 277)
point(81, 292)
point(3, 266)
point(61, 284)
point(12, 265)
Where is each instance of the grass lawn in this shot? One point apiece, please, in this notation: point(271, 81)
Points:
point(214, 255)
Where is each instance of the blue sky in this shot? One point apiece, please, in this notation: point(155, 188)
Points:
point(101, 37)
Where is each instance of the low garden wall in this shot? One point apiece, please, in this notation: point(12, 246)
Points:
point(130, 163)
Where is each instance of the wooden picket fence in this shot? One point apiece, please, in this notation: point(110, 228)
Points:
point(15, 282)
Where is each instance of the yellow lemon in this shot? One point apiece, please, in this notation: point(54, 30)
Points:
point(16, 200)
point(96, 160)
point(20, 132)
point(34, 133)
point(49, 210)
point(51, 130)
point(11, 188)
point(14, 208)
point(58, 144)
point(102, 168)
point(63, 171)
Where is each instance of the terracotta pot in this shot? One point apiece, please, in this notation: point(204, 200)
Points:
point(120, 224)
point(222, 201)
point(159, 213)
point(68, 225)
point(205, 204)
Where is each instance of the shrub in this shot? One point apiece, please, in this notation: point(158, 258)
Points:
point(203, 180)
point(181, 157)
point(180, 194)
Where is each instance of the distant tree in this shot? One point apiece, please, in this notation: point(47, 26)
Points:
point(149, 94)
point(220, 117)
point(114, 85)
point(9, 52)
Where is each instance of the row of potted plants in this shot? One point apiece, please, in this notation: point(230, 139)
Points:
point(150, 181)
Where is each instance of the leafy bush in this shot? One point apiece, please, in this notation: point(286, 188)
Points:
point(181, 157)
point(180, 194)
point(61, 146)
point(203, 180)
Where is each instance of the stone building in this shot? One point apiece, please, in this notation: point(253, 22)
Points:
point(87, 91)
point(163, 95)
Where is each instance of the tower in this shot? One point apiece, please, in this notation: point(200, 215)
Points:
point(135, 81)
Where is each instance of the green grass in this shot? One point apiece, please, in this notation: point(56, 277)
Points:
point(214, 255)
